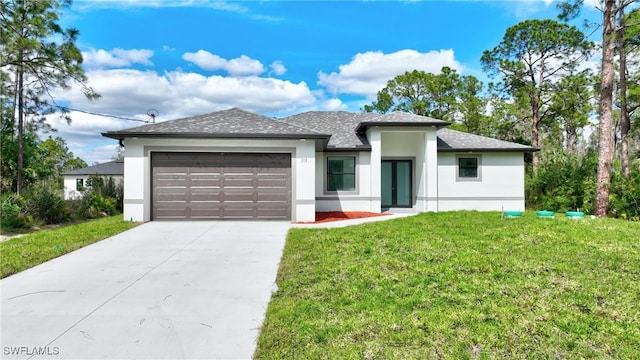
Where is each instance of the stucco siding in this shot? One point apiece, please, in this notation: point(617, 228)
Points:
point(343, 204)
point(402, 143)
point(420, 146)
point(137, 165)
point(70, 191)
point(358, 200)
point(501, 183)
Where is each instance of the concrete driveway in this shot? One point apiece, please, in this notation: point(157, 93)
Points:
point(163, 290)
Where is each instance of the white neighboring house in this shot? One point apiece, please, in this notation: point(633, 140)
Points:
point(75, 181)
point(236, 164)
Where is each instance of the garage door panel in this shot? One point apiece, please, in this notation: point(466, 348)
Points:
point(205, 198)
point(171, 213)
point(275, 197)
point(206, 183)
point(273, 183)
point(221, 186)
point(238, 183)
point(162, 198)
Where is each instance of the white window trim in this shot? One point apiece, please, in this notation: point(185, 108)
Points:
point(325, 167)
point(462, 179)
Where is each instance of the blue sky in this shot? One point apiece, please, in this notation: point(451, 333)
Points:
point(275, 58)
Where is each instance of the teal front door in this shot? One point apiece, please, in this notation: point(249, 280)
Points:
point(397, 185)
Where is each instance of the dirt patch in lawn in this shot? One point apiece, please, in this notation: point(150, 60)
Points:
point(328, 216)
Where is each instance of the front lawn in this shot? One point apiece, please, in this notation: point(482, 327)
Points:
point(458, 285)
point(21, 253)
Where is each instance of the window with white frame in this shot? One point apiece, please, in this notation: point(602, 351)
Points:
point(341, 173)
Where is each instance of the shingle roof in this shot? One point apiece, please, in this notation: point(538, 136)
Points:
point(452, 140)
point(227, 123)
point(115, 167)
point(398, 118)
point(341, 125)
point(344, 130)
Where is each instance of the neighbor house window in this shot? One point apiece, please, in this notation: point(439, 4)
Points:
point(468, 168)
point(341, 173)
point(79, 184)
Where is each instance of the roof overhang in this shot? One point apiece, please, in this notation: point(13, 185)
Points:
point(363, 126)
point(477, 150)
point(321, 139)
point(339, 149)
point(120, 135)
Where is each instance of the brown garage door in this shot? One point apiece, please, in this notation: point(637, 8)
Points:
point(221, 186)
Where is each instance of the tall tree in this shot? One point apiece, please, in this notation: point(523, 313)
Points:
point(37, 56)
point(471, 106)
point(530, 59)
point(571, 106)
point(55, 158)
point(605, 127)
point(446, 96)
point(629, 98)
point(612, 11)
point(506, 117)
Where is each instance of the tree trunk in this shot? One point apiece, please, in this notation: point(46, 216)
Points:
point(571, 138)
point(605, 137)
point(625, 121)
point(20, 161)
point(535, 142)
point(535, 115)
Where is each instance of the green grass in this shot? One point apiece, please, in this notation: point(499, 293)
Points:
point(458, 285)
point(21, 253)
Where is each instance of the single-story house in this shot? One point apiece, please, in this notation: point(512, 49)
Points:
point(75, 181)
point(237, 164)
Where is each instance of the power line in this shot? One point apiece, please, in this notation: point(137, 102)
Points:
point(64, 108)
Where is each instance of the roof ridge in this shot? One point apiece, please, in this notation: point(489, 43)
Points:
point(297, 125)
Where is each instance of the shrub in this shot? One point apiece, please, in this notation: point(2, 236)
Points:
point(624, 198)
point(100, 205)
point(13, 214)
point(79, 208)
point(45, 204)
point(102, 197)
point(563, 182)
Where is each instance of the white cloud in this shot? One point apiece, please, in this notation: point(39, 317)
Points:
point(333, 105)
point(83, 135)
point(368, 72)
point(116, 58)
point(593, 3)
point(130, 93)
point(243, 65)
point(278, 68)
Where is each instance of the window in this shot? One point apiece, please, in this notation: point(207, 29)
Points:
point(468, 168)
point(79, 185)
point(341, 173)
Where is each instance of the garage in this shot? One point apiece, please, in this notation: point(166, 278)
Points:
point(191, 186)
